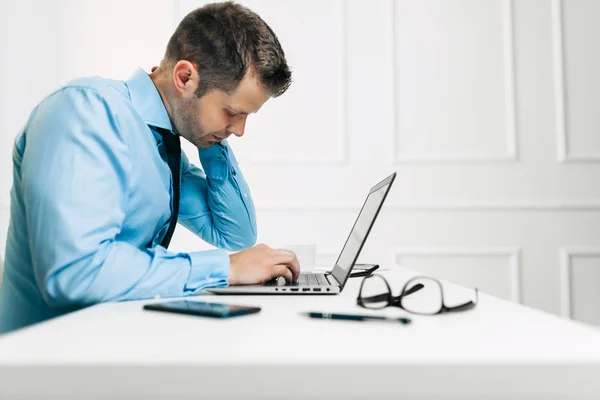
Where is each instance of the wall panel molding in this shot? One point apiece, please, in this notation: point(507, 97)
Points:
point(566, 255)
point(511, 253)
point(560, 100)
point(511, 151)
point(474, 207)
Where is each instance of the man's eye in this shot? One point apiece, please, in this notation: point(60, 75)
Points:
point(231, 114)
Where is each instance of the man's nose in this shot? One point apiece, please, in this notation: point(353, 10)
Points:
point(238, 127)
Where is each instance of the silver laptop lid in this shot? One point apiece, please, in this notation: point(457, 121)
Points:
point(360, 230)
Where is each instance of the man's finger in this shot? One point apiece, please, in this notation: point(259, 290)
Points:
point(282, 270)
point(288, 258)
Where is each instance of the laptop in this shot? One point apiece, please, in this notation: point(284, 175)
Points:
point(331, 282)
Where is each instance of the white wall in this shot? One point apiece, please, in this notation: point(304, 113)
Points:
point(486, 109)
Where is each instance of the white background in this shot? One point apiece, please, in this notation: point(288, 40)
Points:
point(488, 111)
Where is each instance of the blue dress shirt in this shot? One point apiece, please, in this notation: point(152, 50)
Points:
point(91, 203)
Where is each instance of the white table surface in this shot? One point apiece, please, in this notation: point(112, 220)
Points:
point(117, 350)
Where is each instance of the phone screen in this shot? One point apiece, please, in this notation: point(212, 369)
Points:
point(201, 308)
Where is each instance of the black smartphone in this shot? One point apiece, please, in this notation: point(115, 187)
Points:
point(203, 309)
point(363, 270)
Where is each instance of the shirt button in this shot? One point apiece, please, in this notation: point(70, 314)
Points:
point(245, 195)
point(157, 297)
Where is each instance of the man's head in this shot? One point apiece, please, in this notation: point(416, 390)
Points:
point(222, 63)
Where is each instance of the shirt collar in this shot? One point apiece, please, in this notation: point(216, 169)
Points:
point(147, 101)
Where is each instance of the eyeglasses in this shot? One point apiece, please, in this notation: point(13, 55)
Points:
point(420, 295)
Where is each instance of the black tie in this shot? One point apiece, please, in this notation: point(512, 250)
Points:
point(173, 146)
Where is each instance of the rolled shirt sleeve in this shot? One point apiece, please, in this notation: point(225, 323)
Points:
point(216, 203)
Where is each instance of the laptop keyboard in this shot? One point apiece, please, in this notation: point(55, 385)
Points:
point(304, 279)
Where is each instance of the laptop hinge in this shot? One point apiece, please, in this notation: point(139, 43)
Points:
point(331, 279)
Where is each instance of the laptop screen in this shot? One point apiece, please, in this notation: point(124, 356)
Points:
point(361, 229)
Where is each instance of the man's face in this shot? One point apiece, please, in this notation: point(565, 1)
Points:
point(216, 115)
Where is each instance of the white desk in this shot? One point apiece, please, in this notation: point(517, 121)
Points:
point(117, 350)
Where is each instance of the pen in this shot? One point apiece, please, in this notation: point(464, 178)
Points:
point(351, 317)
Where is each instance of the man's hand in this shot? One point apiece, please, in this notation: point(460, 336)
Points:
point(260, 264)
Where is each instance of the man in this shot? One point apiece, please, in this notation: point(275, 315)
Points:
point(99, 177)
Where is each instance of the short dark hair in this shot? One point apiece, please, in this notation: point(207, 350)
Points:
point(224, 40)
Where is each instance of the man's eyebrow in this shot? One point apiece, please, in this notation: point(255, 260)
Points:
point(233, 110)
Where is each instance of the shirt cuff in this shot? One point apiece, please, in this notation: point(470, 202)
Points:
point(209, 269)
point(214, 161)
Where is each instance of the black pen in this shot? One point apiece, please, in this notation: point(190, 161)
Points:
point(351, 317)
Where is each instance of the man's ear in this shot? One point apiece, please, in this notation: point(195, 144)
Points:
point(185, 77)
